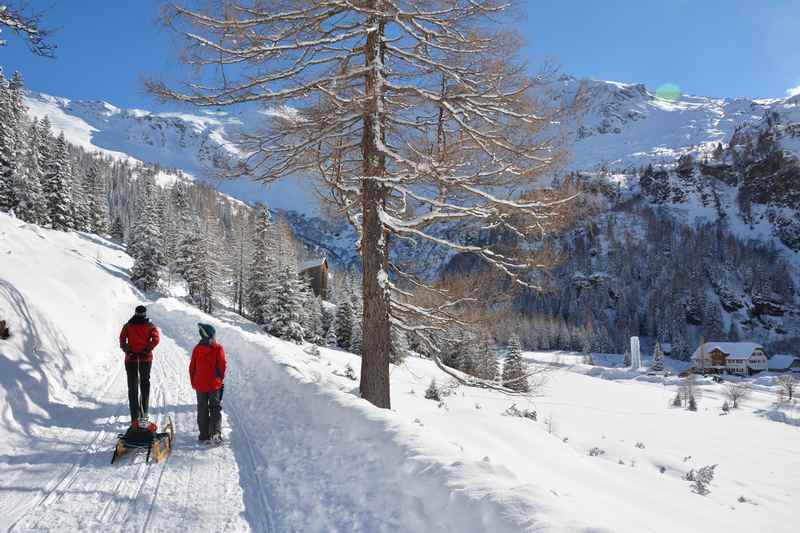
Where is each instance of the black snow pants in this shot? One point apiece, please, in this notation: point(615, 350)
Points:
point(138, 379)
point(209, 413)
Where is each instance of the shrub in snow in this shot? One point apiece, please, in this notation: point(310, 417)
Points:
point(621, 462)
point(701, 479)
point(677, 401)
point(662, 469)
point(787, 385)
point(596, 452)
point(349, 373)
point(692, 406)
point(640, 445)
point(520, 413)
point(725, 407)
point(313, 351)
point(736, 392)
point(432, 392)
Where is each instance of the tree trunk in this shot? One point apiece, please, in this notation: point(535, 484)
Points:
point(376, 342)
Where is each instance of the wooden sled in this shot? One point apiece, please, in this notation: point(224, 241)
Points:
point(158, 445)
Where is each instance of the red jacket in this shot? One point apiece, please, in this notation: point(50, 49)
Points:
point(137, 339)
point(207, 368)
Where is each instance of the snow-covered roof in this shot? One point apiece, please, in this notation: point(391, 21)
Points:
point(780, 361)
point(312, 263)
point(736, 350)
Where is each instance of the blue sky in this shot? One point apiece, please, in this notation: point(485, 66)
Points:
point(707, 47)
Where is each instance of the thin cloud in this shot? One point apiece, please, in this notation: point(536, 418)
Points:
point(794, 91)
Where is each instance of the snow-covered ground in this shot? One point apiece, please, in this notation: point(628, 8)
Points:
point(305, 453)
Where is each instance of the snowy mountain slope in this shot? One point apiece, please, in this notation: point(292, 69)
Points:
point(182, 141)
point(621, 126)
point(304, 453)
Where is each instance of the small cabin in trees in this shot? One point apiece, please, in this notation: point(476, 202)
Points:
point(316, 271)
point(742, 358)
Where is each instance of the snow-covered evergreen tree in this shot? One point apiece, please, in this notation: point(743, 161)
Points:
point(118, 230)
point(399, 346)
point(486, 360)
point(658, 358)
point(331, 340)
point(8, 147)
point(287, 307)
point(515, 372)
point(344, 323)
point(145, 245)
point(58, 188)
point(262, 267)
point(80, 205)
point(201, 269)
point(32, 205)
point(97, 203)
point(357, 334)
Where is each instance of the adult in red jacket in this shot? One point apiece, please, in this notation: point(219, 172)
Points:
point(207, 374)
point(137, 339)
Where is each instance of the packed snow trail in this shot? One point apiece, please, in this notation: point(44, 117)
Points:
point(63, 400)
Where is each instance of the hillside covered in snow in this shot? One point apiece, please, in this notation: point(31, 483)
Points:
point(599, 450)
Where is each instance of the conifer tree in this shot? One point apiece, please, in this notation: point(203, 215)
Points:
point(286, 311)
point(344, 323)
point(262, 267)
point(331, 340)
point(357, 333)
point(58, 184)
point(327, 320)
point(118, 230)
point(487, 367)
point(145, 246)
point(8, 147)
point(658, 358)
point(32, 205)
point(399, 346)
point(97, 202)
point(202, 269)
point(80, 205)
point(515, 373)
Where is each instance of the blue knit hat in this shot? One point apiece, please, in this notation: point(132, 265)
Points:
point(207, 331)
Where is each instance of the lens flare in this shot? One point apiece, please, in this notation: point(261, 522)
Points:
point(669, 91)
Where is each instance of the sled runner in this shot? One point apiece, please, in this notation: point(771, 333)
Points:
point(157, 444)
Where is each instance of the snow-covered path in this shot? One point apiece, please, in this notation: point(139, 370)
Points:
point(75, 488)
point(63, 400)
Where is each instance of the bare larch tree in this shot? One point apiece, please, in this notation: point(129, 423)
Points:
point(16, 17)
point(412, 114)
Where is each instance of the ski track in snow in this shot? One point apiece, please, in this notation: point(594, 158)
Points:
point(132, 496)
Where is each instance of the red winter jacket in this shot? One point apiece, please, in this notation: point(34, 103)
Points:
point(207, 368)
point(137, 339)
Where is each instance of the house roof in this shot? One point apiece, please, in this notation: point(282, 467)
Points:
point(780, 361)
point(312, 263)
point(737, 350)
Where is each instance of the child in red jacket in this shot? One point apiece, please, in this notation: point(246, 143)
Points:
point(207, 374)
